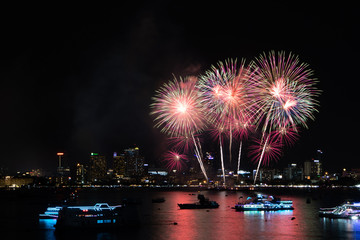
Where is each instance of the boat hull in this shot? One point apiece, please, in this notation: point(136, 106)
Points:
point(203, 203)
point(242, 208)
point(265, 206)
point(197, 206)
point(90, 218)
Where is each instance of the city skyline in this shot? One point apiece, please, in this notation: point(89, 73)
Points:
point(74, 86)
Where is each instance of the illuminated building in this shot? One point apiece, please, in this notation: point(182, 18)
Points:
point(293, 173)
point(210, 164)
point(354, 173)
point(134, 162)
point(9, 181)
point(97, 167)
point(312, 169)
point(62, 171)
point(80, 174)
point(119, 165)
point(266, 175)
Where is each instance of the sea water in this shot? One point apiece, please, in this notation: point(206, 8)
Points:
point(19, 217)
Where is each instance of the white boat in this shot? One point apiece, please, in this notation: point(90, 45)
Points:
point(349, 210)
point(264, 203)
point(101, 215)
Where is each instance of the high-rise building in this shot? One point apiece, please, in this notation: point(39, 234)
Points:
point(293, 172)
point(119, 165)
point(63, 173)
point(80, 174)
point(312, 169)
point(134, 162)
point(62, 170)
point(266, 174)
point(307, 170)
point(97, 167)
point(316, 168)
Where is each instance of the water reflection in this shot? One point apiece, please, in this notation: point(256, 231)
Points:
point(342, 227)
point(47, 223)
point(167, 221)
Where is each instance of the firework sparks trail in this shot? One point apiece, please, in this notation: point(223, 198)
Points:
point(239, 158)
point(179, 112)
point(222, 160)
point(200, 149)
point(199, 159)
point(261, 156)
point(284, 94)
point(241, 131)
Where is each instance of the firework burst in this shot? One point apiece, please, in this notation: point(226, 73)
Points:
point(224, 91)
point(178, 109)
point(284, 96)
point(286, 135)
point(275, 94)
point(174, 160)
point(224, 94)
point(268, 150)
point(179, 112)
point(283, 90)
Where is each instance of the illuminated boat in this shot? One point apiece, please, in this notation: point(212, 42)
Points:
point(264, 203)
point(346, 210)
point(50, 213)
point(203, 203)
point(99, 216)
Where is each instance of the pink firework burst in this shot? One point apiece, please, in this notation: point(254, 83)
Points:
point(242, 128)
point(286, 135)
point(269, 150)
point(178, 109)
point(224, 90)
point(174, 160)
point(283, 91)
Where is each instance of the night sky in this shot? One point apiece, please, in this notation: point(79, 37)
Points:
point(81, 81)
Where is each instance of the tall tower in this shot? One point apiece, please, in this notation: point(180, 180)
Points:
point(60, 167)
point(80, 173)
point(62, 171)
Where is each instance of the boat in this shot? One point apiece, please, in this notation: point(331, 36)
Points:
point(158, 200)
point(50, 213)
point(203, 203)
point(101, 215)
point(350, 210)
point(264, 203)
